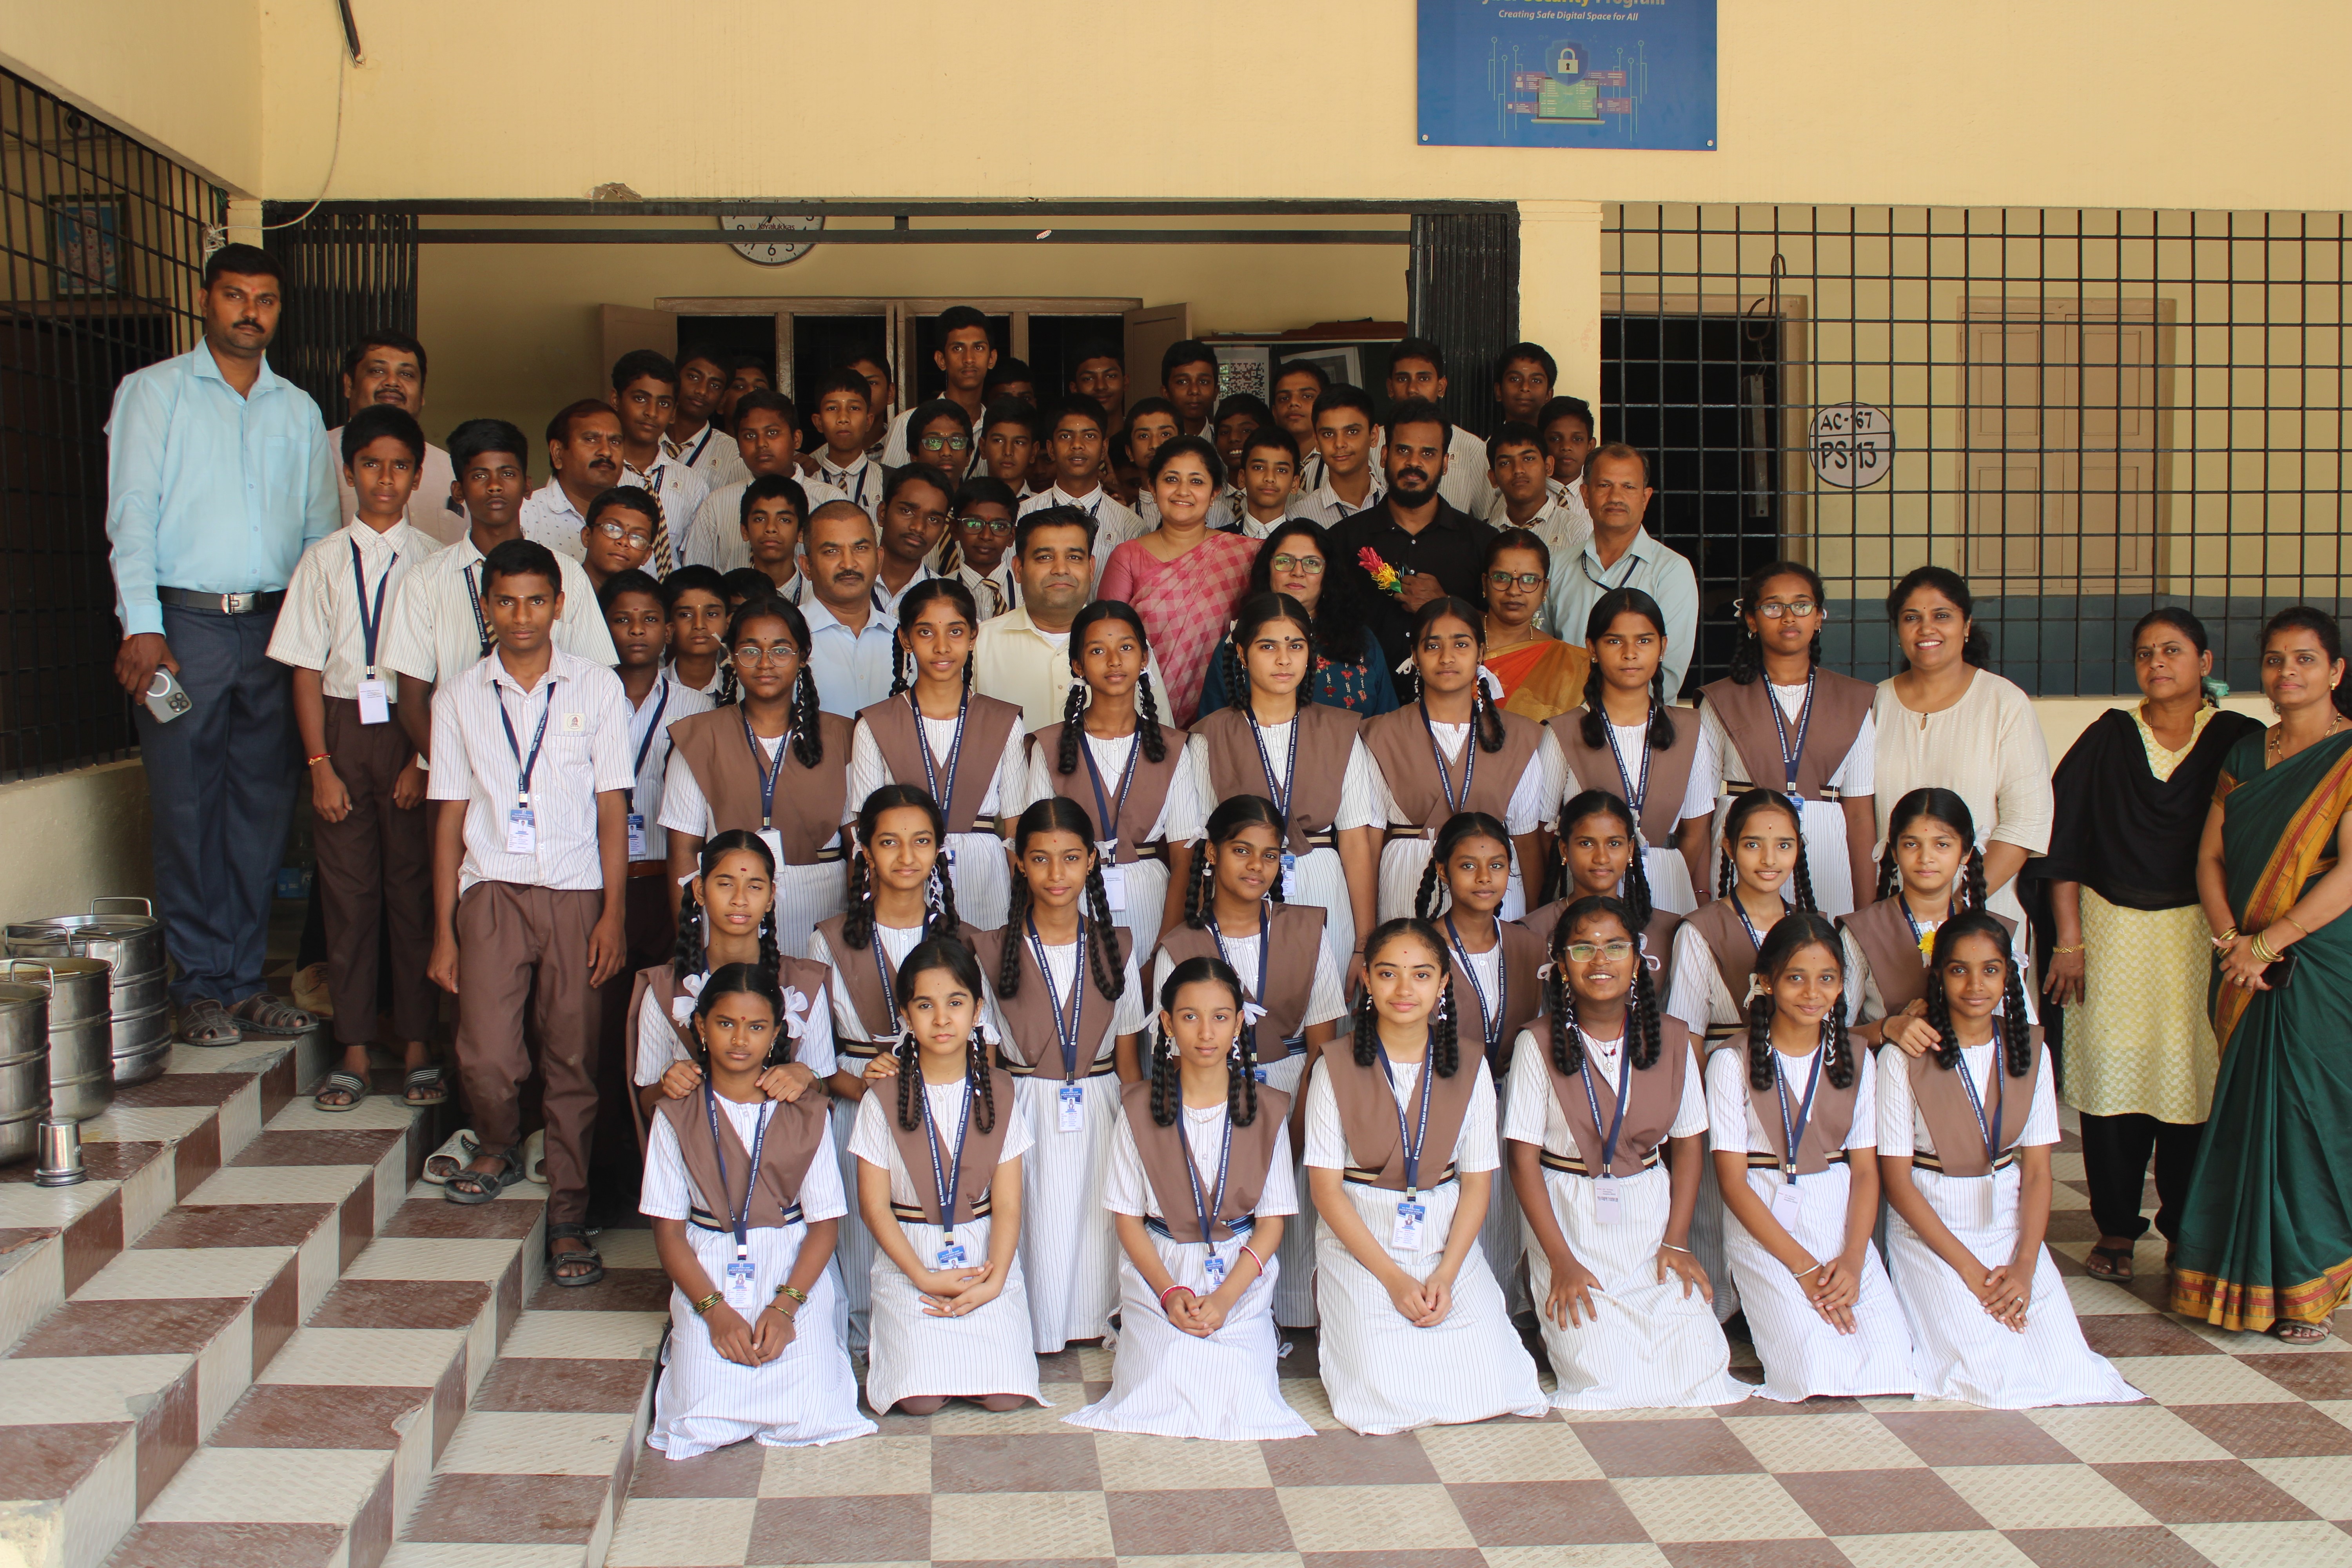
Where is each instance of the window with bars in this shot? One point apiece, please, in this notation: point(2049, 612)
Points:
point(2085, 413)
point(102, 241)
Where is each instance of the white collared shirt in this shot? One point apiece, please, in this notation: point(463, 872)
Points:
point(681, 492)
point(320, 626)
point(548, 517)
point(861, 481)
point(431, 511)
point(1114, 523)
point(585, 753)
point(715, 537)
point(1323, 505)
point(441, 628)
point(885, 603)
point(1007, 591)
point(851, 669)
point(710, 453)
point(666, 703)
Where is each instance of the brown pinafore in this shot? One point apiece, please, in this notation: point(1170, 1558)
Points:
point(1166, 1154)
point(1522, 999)
point(975, 1165)
point(1746, 712)
point(1368, 1117)
point(1032, 1043)
point(1290, 956)
point(1596, 768)
point(1943, 1102)
point(1400, 747)
point(809, 978)
point(1897, 967)
point(1650, 1106)
point(809, 801)
point(1321, 742)
point(903, 744)
point(1146, 793)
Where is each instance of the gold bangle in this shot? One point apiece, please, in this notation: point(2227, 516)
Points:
point(709, 1301)
point(2301, 928)
point(2064, 952)
point(2223, 939)
point(2262, 949)
point(795, 1292)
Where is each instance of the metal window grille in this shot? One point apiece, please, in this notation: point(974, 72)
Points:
point(2085, 413)
point(349, 269)
point(102, 241)
point(1465, 297)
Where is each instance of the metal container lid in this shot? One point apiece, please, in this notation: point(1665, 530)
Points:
point(13, 995)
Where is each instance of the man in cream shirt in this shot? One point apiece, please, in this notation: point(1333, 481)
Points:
point(1024, 655)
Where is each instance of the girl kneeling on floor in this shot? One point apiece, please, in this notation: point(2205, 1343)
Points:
point(1792, 1118)
point(1401, 1156)
point(1964, 1138)
point(939, 1182)
point(744, 1197)
point(1593, 1107)
point(1199, 1186)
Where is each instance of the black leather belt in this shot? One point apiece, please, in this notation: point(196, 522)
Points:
point(253, 602)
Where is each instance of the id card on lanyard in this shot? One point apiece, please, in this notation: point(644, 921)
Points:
point(1788, 1199)
point(1637, 790)
point(768, 777)
point(1792, 757)
point(1208, 1206)
point(522, 820)
point(1980, 1193)
point(1280, 792)
point(1604, 1181)
point(1067, 1023)
point(945, 1182)
point(1490, 1011)
point(740, 1289)
point(946, 798)
point(1264, 950)
point(644, 749)
point(374, 699)
point(1410, 1211)
point(1107, 812)
point(1461, 802)
point(481, 621)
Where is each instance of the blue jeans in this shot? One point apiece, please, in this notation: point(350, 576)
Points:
point(220, 783)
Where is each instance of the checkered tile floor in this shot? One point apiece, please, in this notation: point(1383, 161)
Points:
point(2242, 1457)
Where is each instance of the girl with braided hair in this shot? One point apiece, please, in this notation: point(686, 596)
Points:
point(1307, 757)
point(1453, 749)
point(1627, 740)
point(1792, 1116)
point(902, 894)
point(1593, 854)
point(939, 1151)
point(1070, 1008)
point(772, 763)
point(1965, 1132)
point(1401, 1160)
point(1932, 871)
point(1765, 874)
point(1112, 756)
point(1199, 1187)
point(1605, 1141)
point(933, 729)
point(727, 914)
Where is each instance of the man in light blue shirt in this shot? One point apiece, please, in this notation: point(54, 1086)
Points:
point(851, 641)
point(219, 474)
point(1622, 555)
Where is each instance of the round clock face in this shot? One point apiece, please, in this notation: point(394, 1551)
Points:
point(772, 251)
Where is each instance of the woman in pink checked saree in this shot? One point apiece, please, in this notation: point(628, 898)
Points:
point(1182, 577)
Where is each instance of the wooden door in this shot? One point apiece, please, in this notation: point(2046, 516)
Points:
point(1150, 333)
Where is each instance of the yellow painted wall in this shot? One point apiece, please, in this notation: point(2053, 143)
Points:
point(184, 75)
point(73, 837)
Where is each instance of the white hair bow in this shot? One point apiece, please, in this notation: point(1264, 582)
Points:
point(797, 1010)
point(988, 1030)
point(1755, 987)
point(1543, 970)
point(1251, 1013)
point(689, 992)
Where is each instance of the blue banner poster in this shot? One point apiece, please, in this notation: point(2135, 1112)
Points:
point(1567, 73)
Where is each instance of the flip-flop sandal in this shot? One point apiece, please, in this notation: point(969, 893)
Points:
point(2113, 1262)
point(341, 1082)
point(557, 1261)
point(426, 1086)
point(483, 1186)
point(534, 1157)
point(2297, 1333)
point(262, 1014)
point(452, 1156)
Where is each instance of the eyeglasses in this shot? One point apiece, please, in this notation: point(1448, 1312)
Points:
point(947, 443)
point(985, 525)
point(1586, 952)
point(1773, 609)
point(614, 531)
point(752, 652)
point(1305, 565)
point(1524, 579)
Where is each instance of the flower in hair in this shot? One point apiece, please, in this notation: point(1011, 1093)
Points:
point(1383, 576)
point(797, 1011)
point(689, 992)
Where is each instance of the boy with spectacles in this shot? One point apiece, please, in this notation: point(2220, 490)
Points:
point(619, 533)
point(984, 535)
point(645, 392)
point(938, 436)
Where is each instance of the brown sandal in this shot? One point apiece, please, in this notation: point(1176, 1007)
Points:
point(2113, 1262)
point(2295, 1334)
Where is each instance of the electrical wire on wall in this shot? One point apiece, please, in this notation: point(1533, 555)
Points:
point(216, 234)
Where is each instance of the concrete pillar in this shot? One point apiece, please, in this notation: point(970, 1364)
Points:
point(1560, 289)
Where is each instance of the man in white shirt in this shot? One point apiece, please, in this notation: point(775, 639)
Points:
point(841, 411)
point(1079, 439)
point(965, 356)
point(1417, 369)
point(645, 390)
point(530, 867)
point(693, 437)
point(1345, 439)
point(850, 639)
point(881, 396)
point(768, 441)
point(917, 502)
point(1524, 497)
point(584, 453)
point(1024, 655)
point(1622, 555)
point(1297, 385)
point(386, 367)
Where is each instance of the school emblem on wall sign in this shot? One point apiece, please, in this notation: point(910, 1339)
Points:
point(1852, 444)
point(770, 252)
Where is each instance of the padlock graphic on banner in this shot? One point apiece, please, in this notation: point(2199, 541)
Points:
point(1568, 62)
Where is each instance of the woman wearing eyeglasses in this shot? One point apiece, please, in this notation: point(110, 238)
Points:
point(1540, 675)
point(1297, 559)
point(1781, 722)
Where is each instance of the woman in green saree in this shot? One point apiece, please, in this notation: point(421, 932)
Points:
point(2266, 1243)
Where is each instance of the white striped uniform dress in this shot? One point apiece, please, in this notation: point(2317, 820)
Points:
point(1652, 1347)
point(804, 894)
point(912, 1356)
point(1166, 1382)
point(1669, 873)
point(806, 1395)
point(1822, 822)
point(1957, 1351)
point(1384, 1374)
point(983, 874)
point(1145, 881)
point(1402, 861)
point(1802, 1354)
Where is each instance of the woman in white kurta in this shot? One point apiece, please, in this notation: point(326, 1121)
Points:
point(1623, 1302)
point(949, 1304)
point(1069, 1252)
point(1797, 1236)
point(1414, 1329)
point(1946, 722)
point(1991, 1320)
point(1198, 1347)
point(755, 1353)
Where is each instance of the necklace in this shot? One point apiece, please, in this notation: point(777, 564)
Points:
point(2278, 735)
point(1494, 646)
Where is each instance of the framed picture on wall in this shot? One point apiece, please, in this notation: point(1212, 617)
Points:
point(1341, 365)
point(86, 247)
point(1241, 367)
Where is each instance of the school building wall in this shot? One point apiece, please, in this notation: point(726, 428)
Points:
point(74, 837)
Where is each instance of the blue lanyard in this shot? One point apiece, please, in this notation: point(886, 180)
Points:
point(1469, 759)
point(525, 766)
point(646, 746)
point(1265, 761)
point(1065, 1022)
point(1208, 1207)
point(923, 750)
point(1411, 1138)
point(742, 1219)
point(768, 775)
point(1790, 759)
point(1918, 938)
point(1789, 1132)
point(1754, 939)
point(1635, 795)
point(944, 1183)
point(474, 601)
point(1624, 1097)
point(1264, 952)
point(1490, 1018)
point(371, 621)
point(1989, 1130)
point(1106, 815)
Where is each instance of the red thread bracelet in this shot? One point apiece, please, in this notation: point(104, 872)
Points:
point(1171, 1291)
